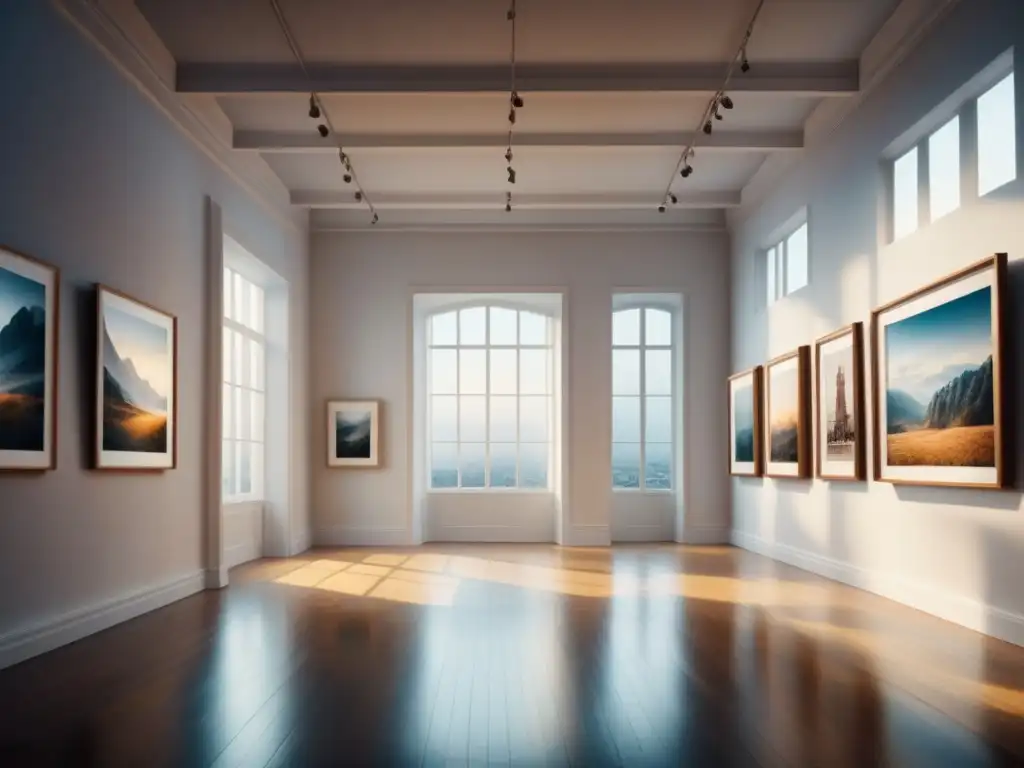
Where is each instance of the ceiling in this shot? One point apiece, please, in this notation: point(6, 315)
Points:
point(418, 95)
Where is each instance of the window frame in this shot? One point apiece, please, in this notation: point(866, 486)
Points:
point(777, 255)
point(961, 106)
point(674, 395)
point(257, 492)
point(550, 347)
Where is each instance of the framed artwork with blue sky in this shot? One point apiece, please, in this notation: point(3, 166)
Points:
point(937, 370)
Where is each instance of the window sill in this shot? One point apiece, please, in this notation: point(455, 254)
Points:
point(236, 500)
point(645, 491)
point(488, 491)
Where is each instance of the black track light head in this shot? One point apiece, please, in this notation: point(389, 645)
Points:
point(314, 108)
point(745, 65)
point(673, 198)
point(508, 155)
point(511, 175)
point(359, 196)
point(718, 115)
point(508, 207)
point(324, 130)
point(726, 102)
point(348, 178)
point(687, 171)
point(708, 128)
point(661, 208)
point(375, 218)
point(512, 116)
point(517, 100)
point(511, 14)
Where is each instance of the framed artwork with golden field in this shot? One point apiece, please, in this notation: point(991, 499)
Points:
point(937, 382)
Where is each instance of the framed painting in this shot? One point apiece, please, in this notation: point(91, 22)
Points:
point(937, 381)
point(788, 436)
point(136, 384)
point(29, 301)
point(353, 433)
point(745, 454)
point(839, 385)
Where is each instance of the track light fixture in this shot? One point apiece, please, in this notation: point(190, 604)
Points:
point(517, 100)
point(314, 109)
point(726, 102)
point(348, 178)
point(514, 99)
point(508, 155)
point(512, 116)
point(673, 198)
point(687, 171)
point(323, 129)
point(375, 218)
point(508, 202)
point(661, 208)
point(359, 196)
point(511, 175)
point(745, 64)
point(708, 128)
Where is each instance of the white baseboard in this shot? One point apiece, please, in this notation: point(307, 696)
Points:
point(44, 636)
point(491, 534)
point(638, 534)
point(356, 536)
point(242, 552)
point(706, 535)
point(964, 611)
point(587, 536)
point(216, 578)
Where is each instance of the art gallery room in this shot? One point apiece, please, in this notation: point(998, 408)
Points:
point(511, 382)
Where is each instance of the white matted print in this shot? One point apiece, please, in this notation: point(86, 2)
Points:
point(840, 397)
point(353, 433)
point(28, 362)
point(136, 384)
point(937, 377)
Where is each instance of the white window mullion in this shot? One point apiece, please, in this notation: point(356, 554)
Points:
point(487, 397)
point(458, 413)
point(643, 399)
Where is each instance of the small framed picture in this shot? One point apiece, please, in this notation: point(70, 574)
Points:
point(839, 366)
point(788, 436)
point(353, 433)
point(745, 423)
point(136, 384)
point(28, 362)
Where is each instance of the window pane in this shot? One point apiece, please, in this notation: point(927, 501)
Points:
point(236, 358)
point(625, 465)
point(659, 420)
point(473, 418)
point(473, 326)
point(533, 328)
point(533, 465)
point(256, 309)
point(227, 337)
point(533, 419)
point(256, 368)
point(503, 419)
point(244, 468)
point(226, 412)
point(503, 325)
point(257, 469)
point(444, 419)
point(770, 259)
point(904, 194)
point(658, 465)
point(444, 465)
point(227, 468)
point(625, 371)
point(244, 413)
point(657, 327)
point(241, 296)
point(471, 464)
point(658, 380)
point(227, 292)
point(444, 371)
point(626, 419)
point(258, 412)
point(626, 327)
point(533, 371)
point(997, 137)
point(503, 465)
point(444, 329)
point(944, 169)
point(472, 371)
point(503, 371)
point(796, 260)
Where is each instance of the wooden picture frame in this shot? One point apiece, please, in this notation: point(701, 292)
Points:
point(792, 382)
point(353, 433)
point(752, 379)
point(136, 395)
point(958, 438)
point(29, 362)
point(846, 344)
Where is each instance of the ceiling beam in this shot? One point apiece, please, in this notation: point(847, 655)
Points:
point(820, 78)
point(308, 141)
point(320, 198)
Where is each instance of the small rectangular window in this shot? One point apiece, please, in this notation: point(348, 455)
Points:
point(944, 169)
point(796, 260)
point(770, 263)
point(904, 194)
point(997, 136)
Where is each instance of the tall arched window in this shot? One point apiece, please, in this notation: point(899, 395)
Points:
point(489, 385)
point(643, 390)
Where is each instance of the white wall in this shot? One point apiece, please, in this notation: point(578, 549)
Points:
point(99, 182)
point(361, 309)
point(956, 553)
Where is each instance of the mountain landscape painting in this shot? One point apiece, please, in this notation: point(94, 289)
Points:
point(23, 363)
point(784, 412)
point(352, 437)
point(743, 421)
point(939, 387)
point(136, 349)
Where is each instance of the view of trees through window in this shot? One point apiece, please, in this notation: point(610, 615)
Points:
point(490, 398)
point(642, 393)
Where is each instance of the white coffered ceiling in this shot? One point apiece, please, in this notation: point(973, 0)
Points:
point(418, 94)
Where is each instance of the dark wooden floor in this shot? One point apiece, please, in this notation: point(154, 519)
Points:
point(531, 655)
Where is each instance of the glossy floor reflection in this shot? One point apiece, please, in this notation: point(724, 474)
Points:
point(522, 655)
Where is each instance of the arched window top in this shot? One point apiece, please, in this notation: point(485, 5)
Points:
point(642, 326)
point(492, 324)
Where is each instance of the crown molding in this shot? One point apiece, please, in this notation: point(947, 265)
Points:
point(118, 29)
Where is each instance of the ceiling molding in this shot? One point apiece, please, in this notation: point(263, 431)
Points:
point(307, 141)
point(820, 78)
point(344, 199)
point(119, 31)
point(706, 229)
